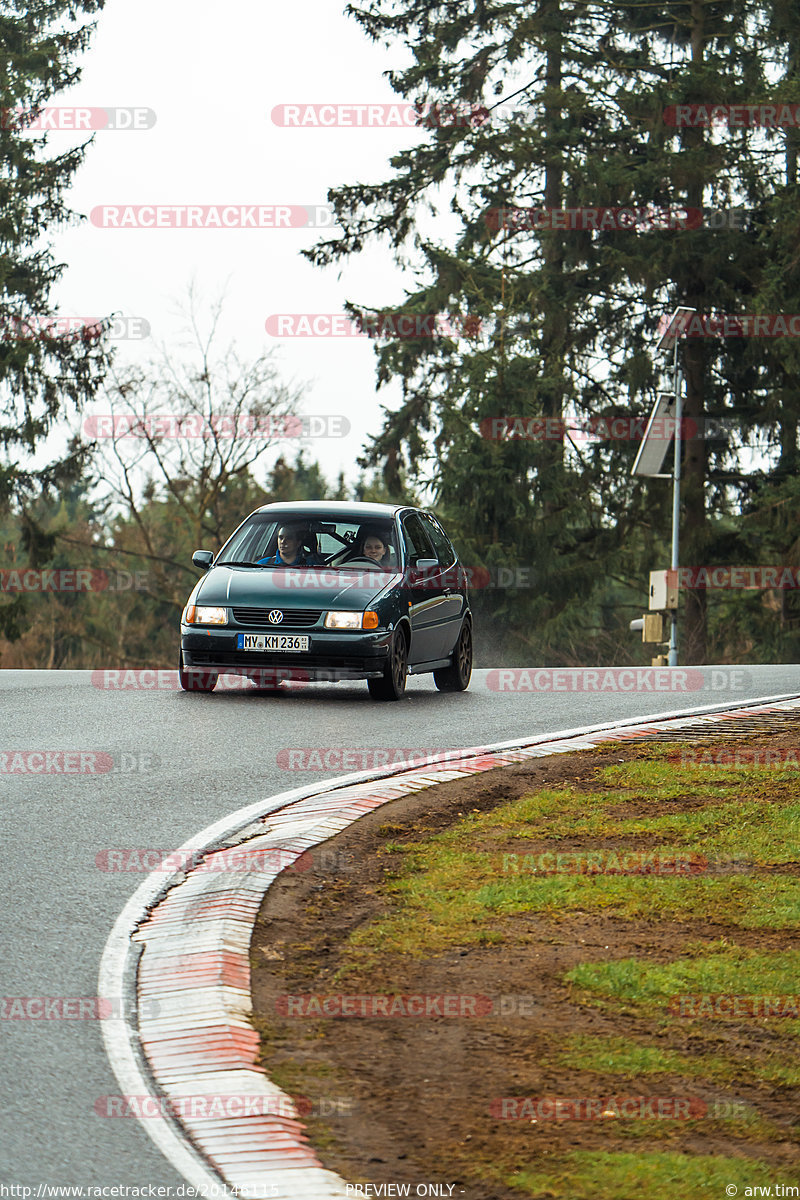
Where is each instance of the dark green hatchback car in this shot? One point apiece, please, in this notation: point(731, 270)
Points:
point(330, 590)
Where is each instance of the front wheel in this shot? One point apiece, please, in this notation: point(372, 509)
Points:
point(456, 677)
point(196, 681)
point(392, 683)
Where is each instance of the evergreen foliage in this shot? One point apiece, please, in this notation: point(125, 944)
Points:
point(43, 374)
point(559, 323)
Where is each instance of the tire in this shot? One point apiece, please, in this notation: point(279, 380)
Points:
point(456, 678)
point(196, 681)
point(392, 684)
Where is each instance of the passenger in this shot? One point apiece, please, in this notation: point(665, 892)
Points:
point(375, 546)
point(291, 552)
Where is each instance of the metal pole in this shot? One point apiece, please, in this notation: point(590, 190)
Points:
point(677, 383)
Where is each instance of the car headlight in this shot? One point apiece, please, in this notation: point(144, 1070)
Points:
point(351, 620)
point(199, 614)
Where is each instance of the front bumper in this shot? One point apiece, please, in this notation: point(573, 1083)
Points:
point(332, 654)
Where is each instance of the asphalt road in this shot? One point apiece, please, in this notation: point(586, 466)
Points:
point(159, 766)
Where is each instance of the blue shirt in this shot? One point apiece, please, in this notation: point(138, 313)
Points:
point(303, 560)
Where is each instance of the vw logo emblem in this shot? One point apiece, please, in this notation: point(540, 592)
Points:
point(275, 617)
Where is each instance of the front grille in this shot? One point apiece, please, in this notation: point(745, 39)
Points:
point(293, 618)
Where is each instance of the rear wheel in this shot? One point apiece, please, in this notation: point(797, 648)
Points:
point(194, 680)
point(456, 678)
point(392, 683)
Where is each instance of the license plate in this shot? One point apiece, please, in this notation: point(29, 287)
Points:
point(271, 641)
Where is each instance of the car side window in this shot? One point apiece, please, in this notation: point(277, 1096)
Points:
point(418, 544)
point(442, 548)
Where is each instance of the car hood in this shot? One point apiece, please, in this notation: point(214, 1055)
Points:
point(274, 587)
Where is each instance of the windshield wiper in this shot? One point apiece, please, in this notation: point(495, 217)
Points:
point(234, 563)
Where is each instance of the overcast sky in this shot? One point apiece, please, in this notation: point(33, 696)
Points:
point(213, 78)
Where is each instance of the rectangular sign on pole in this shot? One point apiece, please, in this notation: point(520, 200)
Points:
point(672, 327)
point(657, 438)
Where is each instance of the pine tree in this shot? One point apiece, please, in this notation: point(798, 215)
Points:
point(42, 374)
point(572, 314)
point(522, 295)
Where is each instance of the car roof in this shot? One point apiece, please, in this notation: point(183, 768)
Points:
point(356, 508)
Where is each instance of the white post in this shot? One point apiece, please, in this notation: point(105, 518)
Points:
point(677, 383)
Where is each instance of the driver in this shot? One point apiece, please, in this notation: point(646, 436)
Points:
point(291, 552)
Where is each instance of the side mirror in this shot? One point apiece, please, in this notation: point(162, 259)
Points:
point(426, 564)
point(202, 559)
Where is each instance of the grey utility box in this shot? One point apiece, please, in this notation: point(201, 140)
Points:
point(663, 590)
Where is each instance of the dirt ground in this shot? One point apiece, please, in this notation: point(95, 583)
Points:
point(414, 1094)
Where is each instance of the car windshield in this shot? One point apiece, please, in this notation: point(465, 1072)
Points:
point(288, 539)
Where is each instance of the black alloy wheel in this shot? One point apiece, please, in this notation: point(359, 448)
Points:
point(456, 677)
point(392, 684)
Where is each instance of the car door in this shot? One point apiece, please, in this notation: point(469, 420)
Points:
point(451, 610)
point(426, 593)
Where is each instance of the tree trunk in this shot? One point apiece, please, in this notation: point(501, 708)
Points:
point(553, 339)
